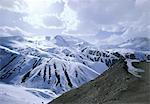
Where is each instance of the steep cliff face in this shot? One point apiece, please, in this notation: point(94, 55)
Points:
point(114, 86)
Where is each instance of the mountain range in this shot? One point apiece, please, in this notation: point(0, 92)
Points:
point(62, 63)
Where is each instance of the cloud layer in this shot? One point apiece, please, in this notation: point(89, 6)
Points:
point(93, 20)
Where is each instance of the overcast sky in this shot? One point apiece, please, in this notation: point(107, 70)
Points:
point(109, 21)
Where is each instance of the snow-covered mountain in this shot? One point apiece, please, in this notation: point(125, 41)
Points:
point(136, 44)
point(60, 63)
point(58, 68)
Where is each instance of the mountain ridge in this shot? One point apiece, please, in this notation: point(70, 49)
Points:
point(114, 86)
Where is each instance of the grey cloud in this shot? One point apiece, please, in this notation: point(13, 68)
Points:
point(85, 28)
point(57, 8)
point(131, 15)
point(53, 21)
point(9, 18)
point(14, 19)
point(104, 11)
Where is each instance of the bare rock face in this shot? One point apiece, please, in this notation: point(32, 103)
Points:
point(114, 86)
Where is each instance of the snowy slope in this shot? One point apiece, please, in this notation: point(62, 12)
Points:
point(61, 50)
point(10, 94)
point(60, 63)
point(38, 72)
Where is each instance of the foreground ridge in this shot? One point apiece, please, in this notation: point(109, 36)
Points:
point(114, 86)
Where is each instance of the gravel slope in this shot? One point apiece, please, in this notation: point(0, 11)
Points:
point(114, 86)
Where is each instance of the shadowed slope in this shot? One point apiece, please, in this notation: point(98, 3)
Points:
point(114, 86)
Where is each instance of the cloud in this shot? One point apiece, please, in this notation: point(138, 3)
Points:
point(69, 18)
point(53, 21)
point(13, 31)
point(33, 17)
point(47, 16)
point(9, 18)
point(93, 20)
point(110, 20)
point(13, 5)
point(103, 11)
point(57, 7)
point(44, 13)
point(140, 28)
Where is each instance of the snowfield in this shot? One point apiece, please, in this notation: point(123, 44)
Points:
point(13, 94)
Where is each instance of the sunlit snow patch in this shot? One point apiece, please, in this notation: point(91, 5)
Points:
point(11, 94)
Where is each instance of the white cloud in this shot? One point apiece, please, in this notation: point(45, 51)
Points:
point(13, 5)
point(69, 17)
point(51, 14)
point(36, 16)
point(39, 10)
